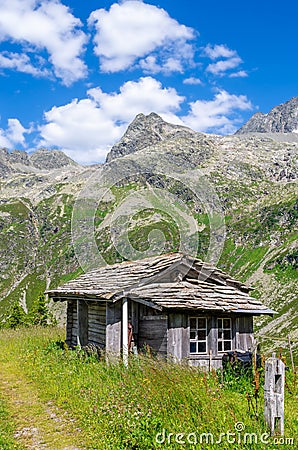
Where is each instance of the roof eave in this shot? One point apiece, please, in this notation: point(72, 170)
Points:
point(254, 312)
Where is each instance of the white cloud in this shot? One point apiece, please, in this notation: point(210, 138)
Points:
point(131, 31)
point(240, 74)
point(152, 66)
point(86, 129)
point(219, 115)
point(21, 63)
point(46, 24)
point(229, 60)
point(220, 67)
point(218, 51)
point(14, 134)
point(192, 80)
point(15, 131)
point(4, 142)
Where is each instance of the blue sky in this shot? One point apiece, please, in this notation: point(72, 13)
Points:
point(75, 73)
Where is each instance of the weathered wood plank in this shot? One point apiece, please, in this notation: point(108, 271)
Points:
point(153, 333)
point(178, 336)
point(212, 335)
point(97, 339)
point(113, 331)
point(245, 333)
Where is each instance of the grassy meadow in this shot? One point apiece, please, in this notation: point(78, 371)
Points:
point(93, 404)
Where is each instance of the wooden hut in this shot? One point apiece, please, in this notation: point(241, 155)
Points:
point(177, 305)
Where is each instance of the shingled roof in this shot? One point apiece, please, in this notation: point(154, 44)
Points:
point(194, 285)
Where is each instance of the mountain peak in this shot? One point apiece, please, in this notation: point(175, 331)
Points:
point(143, 132)
point(45, 159)
point(281, 119)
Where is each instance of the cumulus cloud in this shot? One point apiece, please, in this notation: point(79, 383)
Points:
point(220, 67)
point(219, 115)
point(229, 59)
point(218, 51)
point(14, 134)
point(4, 142)
point(239, 74)
point(45, 24)
point(86, 129)
point(192, 81)
point(131, 31)
point(151, 65)
point(21, 63)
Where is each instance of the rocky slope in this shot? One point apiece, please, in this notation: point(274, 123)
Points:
point(254, 177)
point(281, 119)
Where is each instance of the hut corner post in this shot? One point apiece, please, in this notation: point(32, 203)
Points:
point(125, 331)
point(274, 394)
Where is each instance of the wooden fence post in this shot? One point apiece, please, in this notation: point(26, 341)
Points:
point(274, 394)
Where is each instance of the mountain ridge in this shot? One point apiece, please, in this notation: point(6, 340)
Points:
point(18, 161)
point(281, 119)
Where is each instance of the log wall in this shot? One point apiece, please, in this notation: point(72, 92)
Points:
point(152, 331)
point(97, 324)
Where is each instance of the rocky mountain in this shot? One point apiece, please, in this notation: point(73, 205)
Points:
point(253, 176)
point(145, 131)
point(281, 119)
point(42, 160)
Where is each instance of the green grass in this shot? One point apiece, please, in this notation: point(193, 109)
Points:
point(7, 441)
point(124, 408)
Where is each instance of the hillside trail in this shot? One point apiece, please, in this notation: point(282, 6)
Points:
point(38, 425)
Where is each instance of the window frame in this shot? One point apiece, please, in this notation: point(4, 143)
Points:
point(196, 340)
point(221, 338)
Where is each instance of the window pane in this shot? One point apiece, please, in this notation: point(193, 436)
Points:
point(193, 323)
point(201, 334)
point(219, 323)
point(201, 322)
point(220, 346)
point(201, 347)
point(192, 347)
point(227, 334)
point(192, 335)
point(226, 323)
point(227, 345)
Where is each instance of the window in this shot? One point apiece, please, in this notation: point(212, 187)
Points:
point(198, 335)
point(224, 342)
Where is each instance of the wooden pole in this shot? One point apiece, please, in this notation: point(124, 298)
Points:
point(125, 331)
point(274, 395)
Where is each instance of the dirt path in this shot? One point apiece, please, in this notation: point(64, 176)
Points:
point(38, 425)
